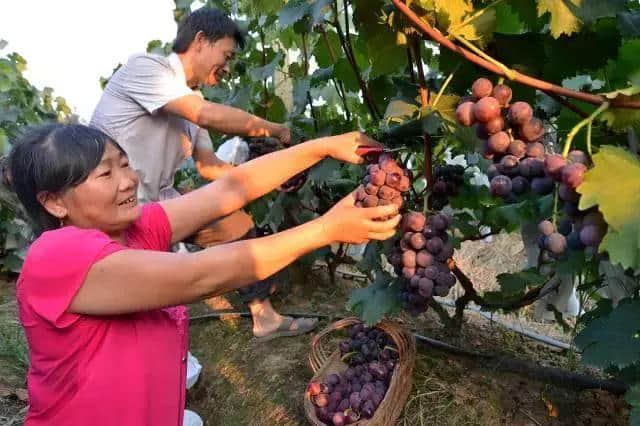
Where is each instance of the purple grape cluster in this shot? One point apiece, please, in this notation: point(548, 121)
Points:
point(577, 229)
point(356, 393)
point(421, 258)
point(447, 180)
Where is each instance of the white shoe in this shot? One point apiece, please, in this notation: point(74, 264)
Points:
point(191, 419)
point(193, 370)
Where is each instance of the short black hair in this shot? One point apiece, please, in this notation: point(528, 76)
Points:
point(53, 158)
point(212, 22)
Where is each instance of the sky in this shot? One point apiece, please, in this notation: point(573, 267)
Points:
point(70, 44)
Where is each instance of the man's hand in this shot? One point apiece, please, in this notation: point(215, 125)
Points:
point(283, 134)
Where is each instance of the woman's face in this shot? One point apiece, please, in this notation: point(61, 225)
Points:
point(107, 200)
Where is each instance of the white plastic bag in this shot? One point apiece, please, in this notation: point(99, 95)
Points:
point(191, 419)
point(193, 370)
point(234, 151)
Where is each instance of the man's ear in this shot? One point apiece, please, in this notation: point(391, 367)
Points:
point(199, 40)
point(52, 203)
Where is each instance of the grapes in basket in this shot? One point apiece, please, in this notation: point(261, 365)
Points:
point(356, 393)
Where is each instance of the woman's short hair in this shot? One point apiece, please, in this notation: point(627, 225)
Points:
point(53, 158)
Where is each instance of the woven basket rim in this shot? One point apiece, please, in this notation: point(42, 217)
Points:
point(399, 388)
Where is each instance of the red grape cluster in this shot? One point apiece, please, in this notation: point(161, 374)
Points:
point(577, 229)
point(512, 138)
point(342, 399)
point(384, 183)
point(422, 258)
point(447, 180)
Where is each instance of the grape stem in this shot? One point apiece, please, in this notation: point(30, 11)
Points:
point(444, 85)
point(554, 214)
point(438, 37)
point(348, 355)
point(587, 121)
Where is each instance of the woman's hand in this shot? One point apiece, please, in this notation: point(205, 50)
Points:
point(347, 223)
point(343, 147)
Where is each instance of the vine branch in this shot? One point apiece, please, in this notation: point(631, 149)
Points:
point(471, 295)
point(337, 83)
point(345, 41)
point(527, 80)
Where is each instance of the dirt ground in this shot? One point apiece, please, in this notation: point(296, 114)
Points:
point(245, 382)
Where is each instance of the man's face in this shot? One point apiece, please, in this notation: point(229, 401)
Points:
point(215, 60)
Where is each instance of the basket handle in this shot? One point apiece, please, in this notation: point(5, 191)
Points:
point(318, 354)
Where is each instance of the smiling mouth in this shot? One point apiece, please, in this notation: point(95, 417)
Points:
point(131, 200)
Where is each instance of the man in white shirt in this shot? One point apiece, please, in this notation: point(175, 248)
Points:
point(153, 108)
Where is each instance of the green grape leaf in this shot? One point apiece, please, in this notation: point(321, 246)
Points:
point(633, 398)
point(382, 44)
point(629, 23)
point(633, 395)
point(344, 73)
point(563, 20)
point(588, 50)
point(478, 30)
point(370, 259)
point(292, 12)
point(592, 10)
point(612, 340)
point(626, 67)
point(300, 95)
point(572, 264)
point(372, 303)
point(325, 171)
point(616, 168)
point(401, 109)
point(508, 20)
point(276, 111)
point(634, 418)
point(326, 56)
point(568, 16)
point(517, 283)
point(623, 245)
point(321, 75)
point(261, 73)
point(318, 9)
point(446, 106)
point(264, 7)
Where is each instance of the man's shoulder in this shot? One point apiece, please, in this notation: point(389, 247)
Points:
point(148, 60)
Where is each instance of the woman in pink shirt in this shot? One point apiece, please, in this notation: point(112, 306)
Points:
point(99, 294)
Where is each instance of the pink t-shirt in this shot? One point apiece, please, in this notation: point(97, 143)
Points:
point(125, 370)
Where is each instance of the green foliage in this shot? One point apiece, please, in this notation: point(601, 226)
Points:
point(612, 339)
point(374, 302)
point(21, 105)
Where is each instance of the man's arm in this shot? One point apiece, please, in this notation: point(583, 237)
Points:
point(208, 165)
point(225, 119)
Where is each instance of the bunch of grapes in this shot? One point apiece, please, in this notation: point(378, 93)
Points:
point(422, 258)
point(342, 399)
point(261, 146)
point(447, 180)
point(512, 138)
point(577, 230)
point(383, 184)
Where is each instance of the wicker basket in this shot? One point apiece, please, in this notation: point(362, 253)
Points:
point(324, 362)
